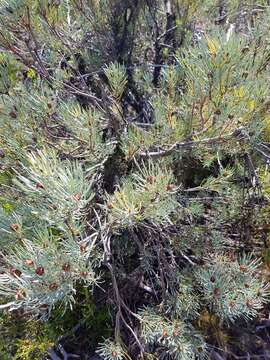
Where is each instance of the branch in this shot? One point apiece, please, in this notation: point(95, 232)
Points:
point(237, 133)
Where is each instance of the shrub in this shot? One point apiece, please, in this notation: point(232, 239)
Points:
point(133, 139)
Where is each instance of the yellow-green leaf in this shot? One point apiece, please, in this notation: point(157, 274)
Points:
point(31, 74)
point(251, 104)
point(212, 47)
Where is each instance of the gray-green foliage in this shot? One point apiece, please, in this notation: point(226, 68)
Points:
point(171, 337)
point(56, 191)
point(148, 194)
point(232, 289)
point(43, 271)
point(130, 154)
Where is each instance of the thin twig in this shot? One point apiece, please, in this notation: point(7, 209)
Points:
point(237, 133)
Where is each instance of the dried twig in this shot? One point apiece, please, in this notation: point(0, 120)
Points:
point(238, 133)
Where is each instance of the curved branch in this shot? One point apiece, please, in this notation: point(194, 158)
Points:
point(238, 133)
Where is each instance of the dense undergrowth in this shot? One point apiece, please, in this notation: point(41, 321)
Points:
point(134, 179)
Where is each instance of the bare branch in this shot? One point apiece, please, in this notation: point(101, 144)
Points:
point(238, 133)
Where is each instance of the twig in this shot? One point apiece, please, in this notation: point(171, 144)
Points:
point(67, 355)
point(255, 182)
point(237, 133)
